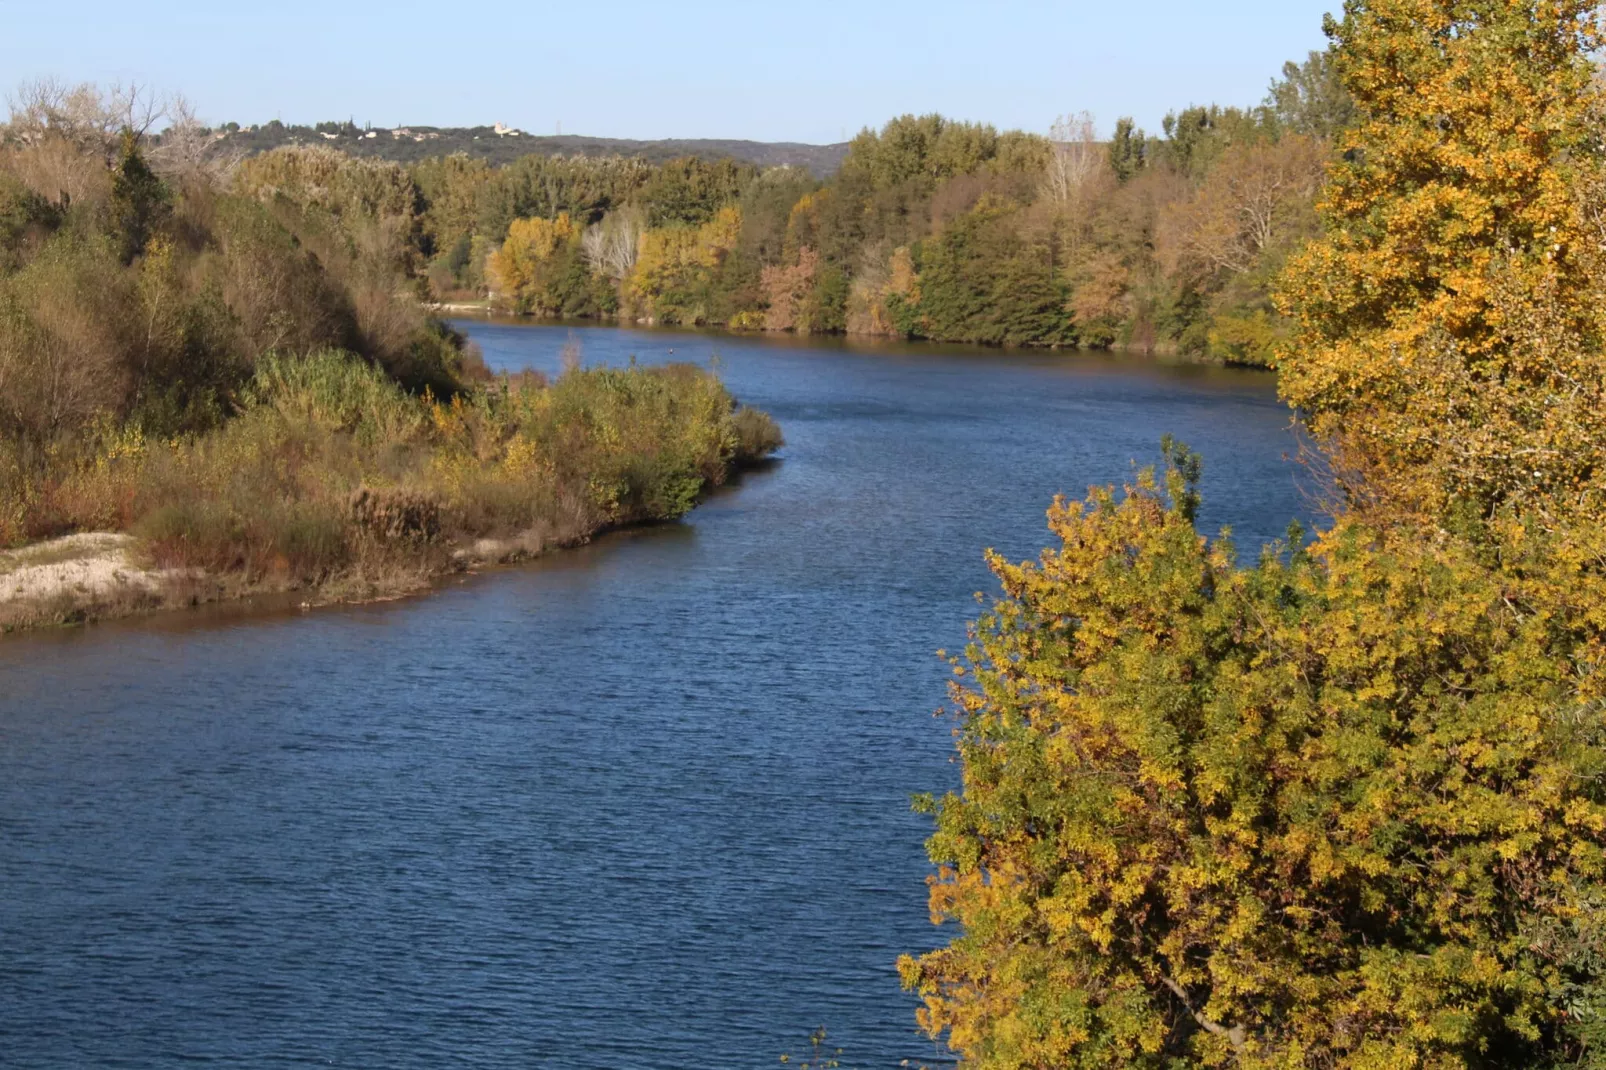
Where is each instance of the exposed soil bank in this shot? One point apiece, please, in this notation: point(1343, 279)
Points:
point(103, 575)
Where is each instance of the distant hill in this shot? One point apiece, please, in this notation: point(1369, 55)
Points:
point(500, 144)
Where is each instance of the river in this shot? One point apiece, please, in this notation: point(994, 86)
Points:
point(644, 804)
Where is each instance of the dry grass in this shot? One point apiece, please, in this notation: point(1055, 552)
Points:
point(335, 481)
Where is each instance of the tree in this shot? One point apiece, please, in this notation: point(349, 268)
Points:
point(187, 154)
point(786, 291)
point(64, 332)
point(689, 191)
point(533, 262)
point(1075, 159)
point(1196, 137)
point(83, 115)
point(980, 281)
point(1228, 241)
point(139, 199)
point(676, 267)
point(611, 246)
point(1128, 150)
point(1343, 808)
point(1335, 810)
point(25, 219)
point(1311, 99)
point(920, 150)
point(1452, 217)
point(767, 209)
point(1100, 301)
point(1257, 198)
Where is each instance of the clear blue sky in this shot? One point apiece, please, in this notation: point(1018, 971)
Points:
point(718, 68)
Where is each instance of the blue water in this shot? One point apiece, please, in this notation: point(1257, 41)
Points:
point(645, 804)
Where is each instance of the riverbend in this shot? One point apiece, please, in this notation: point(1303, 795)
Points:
point(642, 804)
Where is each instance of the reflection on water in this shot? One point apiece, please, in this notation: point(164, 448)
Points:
point(643, 804)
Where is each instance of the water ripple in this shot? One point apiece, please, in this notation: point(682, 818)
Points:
point(642, 805)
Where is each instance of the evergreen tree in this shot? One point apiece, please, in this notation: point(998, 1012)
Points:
point(1128, 149)
point(139, 200)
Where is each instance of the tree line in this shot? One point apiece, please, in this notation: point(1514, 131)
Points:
point(503, 145)
point(930, 228)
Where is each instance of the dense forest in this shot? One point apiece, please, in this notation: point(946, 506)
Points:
point(928, 229)
point(247, 380)
point(1344, 807)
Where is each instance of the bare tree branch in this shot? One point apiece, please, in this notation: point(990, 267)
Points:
point(1076, 157)
point(1236, 1036)
point(186, 151)
point(610, 246)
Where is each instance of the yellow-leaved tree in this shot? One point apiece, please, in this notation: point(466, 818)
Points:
point(1346, 807)
point(674, 269)
point(522, 270)
point(1456, 259)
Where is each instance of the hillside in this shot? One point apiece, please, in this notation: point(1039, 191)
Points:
point(500, 145)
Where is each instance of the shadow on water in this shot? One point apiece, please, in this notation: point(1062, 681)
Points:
point(601, 343)
point(644, 803)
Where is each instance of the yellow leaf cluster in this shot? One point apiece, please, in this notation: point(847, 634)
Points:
point(515, 269)
point(1455, 266)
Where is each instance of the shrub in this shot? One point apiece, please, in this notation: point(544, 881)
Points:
point(331, 468)
point(757, 434)
point(25, 219)
point(64, 338)
point(335, 391)
point(281, 298)
point(1315, 812)
point(395, 515)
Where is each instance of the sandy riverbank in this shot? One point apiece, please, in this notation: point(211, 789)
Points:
point(105, 575)
point(79, 577)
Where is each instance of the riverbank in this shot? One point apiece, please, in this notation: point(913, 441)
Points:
point(78, 576)
point(335, 484)
point(97, 576)
point(100, 576)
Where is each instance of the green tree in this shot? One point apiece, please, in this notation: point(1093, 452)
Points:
point(1128, 150)
point(980, 281)
point(1196, 137)
point(689, 191)
point(1310, 98)
point(139, 200)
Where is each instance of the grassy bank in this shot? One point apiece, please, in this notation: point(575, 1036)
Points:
point(334, 480)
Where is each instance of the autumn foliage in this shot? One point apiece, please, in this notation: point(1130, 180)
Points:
point(1345, 807)
point(930, 229)
point(1449, 325)
point(232, 363)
